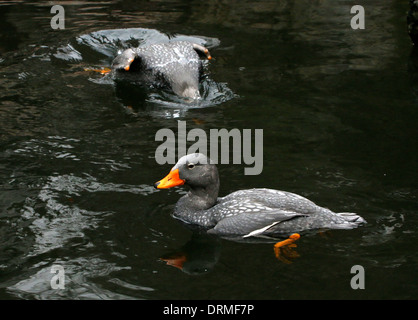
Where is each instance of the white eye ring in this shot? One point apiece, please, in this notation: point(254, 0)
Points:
point(190, 165)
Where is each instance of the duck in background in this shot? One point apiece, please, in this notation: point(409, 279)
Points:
point(174, 65)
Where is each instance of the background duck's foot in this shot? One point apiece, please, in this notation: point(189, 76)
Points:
point(102, 70)
point(203, 50)
point(284, 249)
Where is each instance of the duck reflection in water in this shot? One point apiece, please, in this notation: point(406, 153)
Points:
point(202, 252)
point(199, 255)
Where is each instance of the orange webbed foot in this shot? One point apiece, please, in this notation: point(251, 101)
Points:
point(283, 249)
point(202, 49)
point(102, 70)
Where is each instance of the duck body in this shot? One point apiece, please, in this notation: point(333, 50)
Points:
point(246, 213)
point(268, 212)
point(175, 65)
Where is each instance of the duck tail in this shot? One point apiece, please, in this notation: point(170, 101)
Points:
point(352, 218)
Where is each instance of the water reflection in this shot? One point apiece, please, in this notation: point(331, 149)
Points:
point(63, 220)
point(77, 284)
point(199, 255)
point(58, 223)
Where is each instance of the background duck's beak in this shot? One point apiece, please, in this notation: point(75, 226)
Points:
point(171, 180)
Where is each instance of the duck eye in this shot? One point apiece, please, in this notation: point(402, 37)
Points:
point(190, 165)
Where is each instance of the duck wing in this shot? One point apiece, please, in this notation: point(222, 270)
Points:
point(252, 212)
point(276, 199)
point(252, 223)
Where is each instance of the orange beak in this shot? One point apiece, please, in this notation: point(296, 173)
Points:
point(171, 180)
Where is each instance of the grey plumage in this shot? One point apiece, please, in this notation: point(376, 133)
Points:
point(175, 65)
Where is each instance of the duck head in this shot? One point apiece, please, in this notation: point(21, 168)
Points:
point(195, 170)
point(201, 175)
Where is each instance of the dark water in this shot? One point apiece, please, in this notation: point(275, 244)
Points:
point(339, 112)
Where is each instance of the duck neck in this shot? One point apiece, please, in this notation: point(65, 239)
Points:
point(203, 198)
point(199, 198)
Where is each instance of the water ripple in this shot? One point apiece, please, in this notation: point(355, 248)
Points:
point(77, 271)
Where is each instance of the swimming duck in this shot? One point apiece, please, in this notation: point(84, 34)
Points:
point(255, 212)
point(175, 65)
